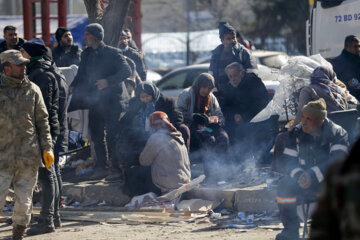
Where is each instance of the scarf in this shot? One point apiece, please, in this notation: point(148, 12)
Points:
point(326, 79)
point(203, 104)
point(160, 120)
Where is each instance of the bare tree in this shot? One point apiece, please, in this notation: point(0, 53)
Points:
point(112, 17)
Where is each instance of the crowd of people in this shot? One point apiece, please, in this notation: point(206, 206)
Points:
point(148, 140)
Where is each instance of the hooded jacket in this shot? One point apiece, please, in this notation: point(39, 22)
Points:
point(38, 71)
point(167, 155)
point(24, 127)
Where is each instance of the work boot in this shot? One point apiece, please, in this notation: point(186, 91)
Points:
point(291, 222)
point(57, 222)
point(18, 232)
point(43, 226)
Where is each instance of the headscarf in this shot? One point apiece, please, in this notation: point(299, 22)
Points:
point(160, 120)
point(325, 77)
point(225, 28)
point(203, 80)
point(145, 110)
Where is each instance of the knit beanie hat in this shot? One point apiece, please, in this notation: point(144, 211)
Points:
point(316, 109)
point(96, 30)
point(35, 47)
point(160, 119)
point(60, 32)
point(224, 28)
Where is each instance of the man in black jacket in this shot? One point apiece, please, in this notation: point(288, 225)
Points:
point(132, 54)
point(347, 65)
point(38, 71)
point(65, 53)
point(99, 86)
point(12, 41)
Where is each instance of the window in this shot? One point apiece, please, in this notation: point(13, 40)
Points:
point(174, 81)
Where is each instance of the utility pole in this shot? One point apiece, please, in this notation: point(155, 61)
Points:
point(188, 32)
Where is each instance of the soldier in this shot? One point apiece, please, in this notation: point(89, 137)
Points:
point(309, 148)
point(25, 134)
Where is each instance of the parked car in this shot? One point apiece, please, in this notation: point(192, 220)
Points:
point(174, 82)
point(152, 76)
point(271, 59)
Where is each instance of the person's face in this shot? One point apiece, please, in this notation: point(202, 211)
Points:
point(11, 37)
point(145, 98)
point(354, 48)
point(310, 124)
point(235, 76)
point(66, 39)
point(205, 91)
point(123, 41)
point(229, 40)
point(90, 40)
point(15, 70)
point(24, 53)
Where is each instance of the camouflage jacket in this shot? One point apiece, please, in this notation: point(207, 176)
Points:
point(337, 216)
point(24, 126)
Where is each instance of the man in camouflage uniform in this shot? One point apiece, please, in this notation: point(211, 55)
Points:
point(337, 216)
point(308, 149)
point(24, 137)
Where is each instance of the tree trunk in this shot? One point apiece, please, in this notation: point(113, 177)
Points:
point(112, 18)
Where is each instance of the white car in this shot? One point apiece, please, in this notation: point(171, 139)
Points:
point(174, 82)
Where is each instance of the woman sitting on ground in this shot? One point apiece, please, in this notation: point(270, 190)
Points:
point(134, 129)
point(166, 154)
point(203, 115)
point(324, 84)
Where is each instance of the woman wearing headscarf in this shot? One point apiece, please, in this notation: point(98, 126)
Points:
point(203, 114)
point(134, 128)
point(323, 84)
point(166, 155)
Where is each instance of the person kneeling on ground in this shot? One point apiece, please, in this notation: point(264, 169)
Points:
point(309, 149)
point(166, 154)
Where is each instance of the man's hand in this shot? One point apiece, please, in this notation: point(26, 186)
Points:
point(101, 84)
point(238, 119)
point(304, 180)
point(48, 158)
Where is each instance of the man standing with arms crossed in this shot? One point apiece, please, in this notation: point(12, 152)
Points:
point(24, 137)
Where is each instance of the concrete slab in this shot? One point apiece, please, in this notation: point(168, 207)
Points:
point(111, 193)
point(250, 199)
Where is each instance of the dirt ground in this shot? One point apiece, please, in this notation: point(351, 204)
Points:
point(103, 231)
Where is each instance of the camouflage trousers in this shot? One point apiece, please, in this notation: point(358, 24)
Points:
point(24, 180)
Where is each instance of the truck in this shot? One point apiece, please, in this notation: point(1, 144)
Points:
point(329, 23)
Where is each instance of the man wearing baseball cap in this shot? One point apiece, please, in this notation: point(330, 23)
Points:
point(309, 149)
point(25, 137)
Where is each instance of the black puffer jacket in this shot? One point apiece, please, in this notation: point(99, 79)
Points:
point(39, 73)
point(347, 66)
point(65, 59)
point(105, 62)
